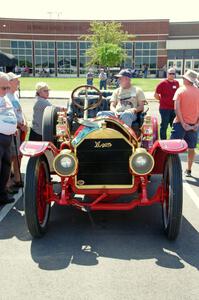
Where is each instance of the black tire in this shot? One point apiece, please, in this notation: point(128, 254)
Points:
point(173, 197)
point(37, 212)
point(49, 123)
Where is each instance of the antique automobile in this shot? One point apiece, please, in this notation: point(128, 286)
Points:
point(104, 161)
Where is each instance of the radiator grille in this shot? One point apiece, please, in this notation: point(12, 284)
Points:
point(104, 162)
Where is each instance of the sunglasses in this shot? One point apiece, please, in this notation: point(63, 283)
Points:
point(45, 91)
point(4, 88)
point(172, 73)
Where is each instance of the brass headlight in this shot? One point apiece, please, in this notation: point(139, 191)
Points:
point(141, 162)
point(65, 163)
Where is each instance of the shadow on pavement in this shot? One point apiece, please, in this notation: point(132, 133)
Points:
point(14, 224)
point(193, 181)
point(136, 235)
point(133, 235)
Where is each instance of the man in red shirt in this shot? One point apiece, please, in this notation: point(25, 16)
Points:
point(164, 93)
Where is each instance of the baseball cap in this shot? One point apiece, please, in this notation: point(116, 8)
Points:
point(124, 73)
point(41, 85)
point(12, 76)
point(171, 71)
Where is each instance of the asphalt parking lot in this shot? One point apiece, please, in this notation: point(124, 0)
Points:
point(125, 255)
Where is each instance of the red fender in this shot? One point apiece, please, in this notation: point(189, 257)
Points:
point(170, 146)
point(31, 148)
point(162, 148)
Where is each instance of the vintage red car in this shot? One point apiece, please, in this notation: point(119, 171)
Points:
point(101, 159)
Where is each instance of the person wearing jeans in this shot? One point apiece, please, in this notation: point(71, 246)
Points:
point(126, 101)
point(103, 79)
point(89, 77)
point(167, 117)
point(164, 93)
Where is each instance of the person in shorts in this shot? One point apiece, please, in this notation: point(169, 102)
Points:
point(186, 123)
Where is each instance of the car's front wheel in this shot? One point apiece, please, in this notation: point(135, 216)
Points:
point(36, 205)
point(172, 197)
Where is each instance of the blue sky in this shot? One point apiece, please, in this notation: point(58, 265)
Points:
point(175, 10)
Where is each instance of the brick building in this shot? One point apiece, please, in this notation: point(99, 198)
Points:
point(54, 45)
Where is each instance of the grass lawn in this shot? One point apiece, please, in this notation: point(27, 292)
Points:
point(68, 84)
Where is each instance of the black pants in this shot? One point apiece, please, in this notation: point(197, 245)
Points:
point(5, 161)
point(34, 136)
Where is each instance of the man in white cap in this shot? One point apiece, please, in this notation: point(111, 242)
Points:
point(42, 95)
point(164, 93)
point(186, 123)
point(8, 127)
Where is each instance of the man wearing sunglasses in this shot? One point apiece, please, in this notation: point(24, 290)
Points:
point(164, 93)
point(8, 126)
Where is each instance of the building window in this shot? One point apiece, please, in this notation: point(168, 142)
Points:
point(83, 58)
point(128, 46)
point(44, 58)
point(67, 58)
point(146, 54)
point(175, 54)
point(22, 50)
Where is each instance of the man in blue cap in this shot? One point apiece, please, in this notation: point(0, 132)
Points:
point(126, 101)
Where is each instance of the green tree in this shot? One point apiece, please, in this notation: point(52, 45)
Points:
point(106, 43)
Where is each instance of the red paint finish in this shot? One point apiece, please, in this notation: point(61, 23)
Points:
point(37, 148)
point(42, 194)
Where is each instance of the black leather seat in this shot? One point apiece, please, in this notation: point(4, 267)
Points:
point(75, 112)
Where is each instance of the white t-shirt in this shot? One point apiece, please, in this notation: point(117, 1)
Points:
point(125, 99)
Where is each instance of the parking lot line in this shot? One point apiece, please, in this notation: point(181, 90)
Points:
point(192, 194)
point(5, 210)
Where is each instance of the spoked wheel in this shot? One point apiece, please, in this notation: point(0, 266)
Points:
point(173, 197)
point(37, 207)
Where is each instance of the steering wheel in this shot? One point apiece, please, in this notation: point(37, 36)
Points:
point(82, 92)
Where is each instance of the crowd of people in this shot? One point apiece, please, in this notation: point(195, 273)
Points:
point(178, 107)
point(13, 130)
point(102, 78)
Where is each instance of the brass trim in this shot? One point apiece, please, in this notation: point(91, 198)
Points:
point(104, 133)
point(104, 186)
point(115, 122)
point(138, 151)
point(66, 152)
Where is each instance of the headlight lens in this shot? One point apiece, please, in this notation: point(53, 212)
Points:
point(65, 164)
point(141, 162)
